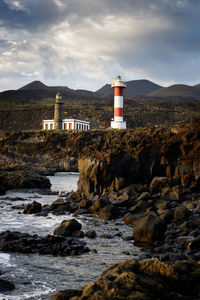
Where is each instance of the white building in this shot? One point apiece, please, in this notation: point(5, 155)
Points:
point(67, 124)
point(58, 123)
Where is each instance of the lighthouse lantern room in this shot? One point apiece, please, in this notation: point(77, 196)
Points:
point(118, 85)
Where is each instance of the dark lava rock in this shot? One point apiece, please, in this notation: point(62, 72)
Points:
point(78, 234)
point(81, 211)
point(68, 228)
point(22, 179)
point(130, 219)
point(99, 204)
point(61, 205)
point(195, 244)
point(149, 229)
point(181, 213)
point(6, 286)
point(36, 181)
point(32, 208)
point(159, 184)
point(50, 244)
point(147, 279)
point(66, 294)
point(91, 234)
point(106, 236)
point(85, 203)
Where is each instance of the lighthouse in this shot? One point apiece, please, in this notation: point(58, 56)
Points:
point(118, 85)
point(58, 112)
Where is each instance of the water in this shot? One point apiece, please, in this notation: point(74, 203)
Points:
point(39, 277)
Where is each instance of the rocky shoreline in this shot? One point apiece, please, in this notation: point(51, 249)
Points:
point(147, 279)
point(150, 180)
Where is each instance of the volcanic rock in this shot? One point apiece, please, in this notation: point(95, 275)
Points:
point(159, 185)
point(69, 228)
point(6, 286)
point(149, 229)
point(91, 234)
point(32, 208)
point(50, 244)
point(147, 279)
point(66, 294)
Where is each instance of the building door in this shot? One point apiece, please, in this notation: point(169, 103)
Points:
point(70, 126)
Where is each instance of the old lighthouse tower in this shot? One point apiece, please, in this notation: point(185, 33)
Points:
point(58, 118)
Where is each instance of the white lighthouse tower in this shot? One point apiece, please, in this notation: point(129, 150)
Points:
point(118, 85)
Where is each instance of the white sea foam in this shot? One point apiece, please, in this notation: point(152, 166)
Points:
point(37, 294)
point(5, 260)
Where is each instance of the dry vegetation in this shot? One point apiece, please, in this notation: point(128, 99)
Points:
point(139, 112)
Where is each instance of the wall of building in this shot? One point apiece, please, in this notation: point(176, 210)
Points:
point(67, 124)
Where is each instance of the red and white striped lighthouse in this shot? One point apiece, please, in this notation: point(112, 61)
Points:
point(118, 84)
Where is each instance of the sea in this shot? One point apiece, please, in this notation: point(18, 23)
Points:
point(39, 276)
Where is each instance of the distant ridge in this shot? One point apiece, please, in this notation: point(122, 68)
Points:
point(36, 91)
point(35, 85)
point(181, 90)
point(134, 88)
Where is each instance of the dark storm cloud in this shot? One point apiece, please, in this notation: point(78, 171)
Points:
point(35, 14)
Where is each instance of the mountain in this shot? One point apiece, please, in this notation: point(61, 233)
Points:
point(35, 85)
point(134, 88)
point(178, 90)
point(105, 90)
point(37, 91)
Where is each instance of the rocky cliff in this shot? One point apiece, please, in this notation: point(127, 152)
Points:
point(108, 160)
point(118, 159)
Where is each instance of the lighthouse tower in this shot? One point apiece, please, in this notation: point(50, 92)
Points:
point(118, 85)
point(58, 112)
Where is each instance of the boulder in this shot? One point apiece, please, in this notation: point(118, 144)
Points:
point(195, 244)
point(159, 185)
point(120, 201)
point(68, 228)
point(66, 294)
point(60, 201)
point(6, 286)
point(85, 203)
point(144, 196)
point(91, 234)
point(32, 208)
point(130, 219)
point(181, 213)
point(35, 181)
point(99, 204)
point(149, 229)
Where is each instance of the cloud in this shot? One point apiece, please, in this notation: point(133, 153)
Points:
point(84, 44)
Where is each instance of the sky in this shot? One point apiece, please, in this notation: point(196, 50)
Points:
point(84, 44)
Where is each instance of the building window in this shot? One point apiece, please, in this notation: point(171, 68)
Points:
point(46, 127)
point(70, 126)
point(65, 126)
point(51, 126)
